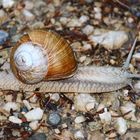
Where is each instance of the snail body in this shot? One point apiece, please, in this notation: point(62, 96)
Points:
point(53, 68)
point(89, 79)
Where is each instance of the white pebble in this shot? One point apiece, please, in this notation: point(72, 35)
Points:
point(83, 19)
point(81, 100)
point(137, 86)
point(27, 104)
point(78, 135)
point(11, 105)
point(90, 106)
point(2, 13)
point(57, 131)
point(55, 97)
point(74, 23)
point(110, 40)
point(98, 16)
point(34, 115)
point(131, 108)
point(79, 119)
point(28, 5)
point(88, 29)
point(87, 46)
point(28, 15)
point(82, 58)
point(7, 3)
point(64, 125)
point(34, 125)
point(137, 56)
point(105, 117)
point(121, 126)
point(63, 20)
point(130, 20)
point(33, 99)
point(97, 9)
point(125, 92)
point(14, 119)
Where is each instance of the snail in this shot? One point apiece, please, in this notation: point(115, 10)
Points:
point(51, 67)
point(41, 55)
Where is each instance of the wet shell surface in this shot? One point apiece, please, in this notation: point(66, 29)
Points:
point(42, 55)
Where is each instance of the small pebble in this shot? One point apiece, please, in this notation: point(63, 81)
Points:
point(105, 117)
point(88, 29)
point(34, 125)
point(11, 105)
point(54, 118)
point(121, 126)
point(87, 46)
point(27, 104)
point(74, 22)
point(131, 108)
point(57, 131)
point(137, 56)
point(79, 135)
point(34, 115)
point(112, 62)
point(33, 99)
point(55, 97)
point(89, 1)
point(79, 119)
point(110, 40)
point(138, 102)
point(83, 19)
point(64, 125)
point(63, 20)
point(76, 45)
point(3, 37)
point(7, 3)
point(81, 100)
point(2, 13)
point(57, 2)
point(28, 15)
point(90, 106)
point(14, 119)
point(97, 9)
point(82, 58)
point(130, 20)
point(98, 16)
point(29, 5)
point(37, 25)
point(38, 136)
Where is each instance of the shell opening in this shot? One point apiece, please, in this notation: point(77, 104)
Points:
point(31, 62)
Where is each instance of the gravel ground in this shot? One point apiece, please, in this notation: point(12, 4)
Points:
point(101, 33)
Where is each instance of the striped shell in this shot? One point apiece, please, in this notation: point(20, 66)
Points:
point(42, 55)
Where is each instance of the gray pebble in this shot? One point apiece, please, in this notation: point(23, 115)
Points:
point(38, 136)
point(3, 37)
point(89, 1)
point(54, 119)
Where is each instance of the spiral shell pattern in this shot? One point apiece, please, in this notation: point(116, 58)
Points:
point(42, 55)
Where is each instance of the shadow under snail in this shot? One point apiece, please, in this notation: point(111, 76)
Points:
point(43, 60)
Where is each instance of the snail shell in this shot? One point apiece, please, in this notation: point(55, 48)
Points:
point(42, 55)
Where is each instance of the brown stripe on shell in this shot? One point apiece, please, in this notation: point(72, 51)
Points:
point(61, 60)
